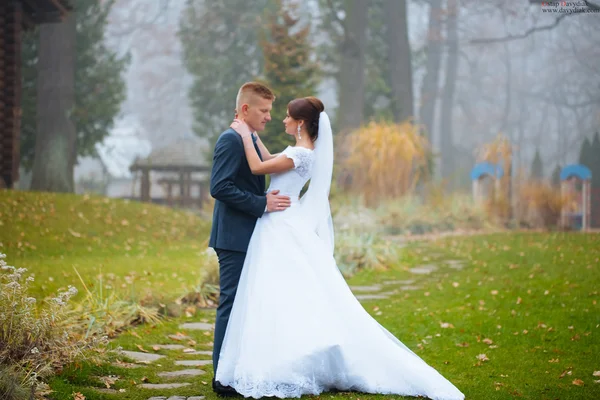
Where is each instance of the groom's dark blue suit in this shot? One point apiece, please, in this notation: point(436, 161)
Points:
point(240, 201)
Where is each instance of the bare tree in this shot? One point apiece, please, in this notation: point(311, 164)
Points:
point(352, 66)
point(446, 123)
point(429, 88)
point(400, 59)
point(55, 152)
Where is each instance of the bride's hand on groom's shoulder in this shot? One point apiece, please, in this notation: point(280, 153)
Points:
point(240, 127)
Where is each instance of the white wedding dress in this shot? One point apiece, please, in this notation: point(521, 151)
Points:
point(296, 328)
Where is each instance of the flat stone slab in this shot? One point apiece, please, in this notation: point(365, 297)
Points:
point(105, 390)
point(163, 385)
point(179, 337)
point(176, 398)
point(197, 326)
point(169, 346)
point(142, 357)
point(199, 353)
point(158, 398)
point(196, 398)
point(372, 288)
point(372, 296)
point(409, 287)
point(424, 269)
point(126, 365)
point(193, 363)
point(401, 282)
point(183, 372)
point(456, 264)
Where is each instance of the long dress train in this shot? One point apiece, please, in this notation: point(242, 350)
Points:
point(296, 328)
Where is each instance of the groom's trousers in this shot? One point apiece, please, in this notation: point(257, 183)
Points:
point(230, 269)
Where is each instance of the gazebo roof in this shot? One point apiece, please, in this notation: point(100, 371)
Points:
point(577, 170)
point(485, 168)
point(186, 153)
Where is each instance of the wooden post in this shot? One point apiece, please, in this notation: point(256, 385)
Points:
point(181, 188)
point(188, 188)
point(145, 186)
point(170, 194)
point(585, 205)
point(563, 211)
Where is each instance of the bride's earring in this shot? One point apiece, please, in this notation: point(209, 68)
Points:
point(299, 137)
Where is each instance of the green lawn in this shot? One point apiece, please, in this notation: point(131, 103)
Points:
point(528, 301)
point(137, 248)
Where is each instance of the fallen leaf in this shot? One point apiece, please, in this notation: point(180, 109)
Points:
point(482, 357)
point(108, 381)
point(494, 292)
point(78, 396)
point(578, 382)
point(178, 336)
point(487, 341)
point(134, 333)
point(77, 235)
point(463, 344)
point(596, 373)
point(446, 325)
point(554, 360)
point(565, 372)
point(139, 346)
point(156, 348)
point(189, 350)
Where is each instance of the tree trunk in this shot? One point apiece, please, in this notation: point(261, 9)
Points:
point(352, 68)
point(399, 59)
point(446, 130)
point(429, 88)
point(55, 135)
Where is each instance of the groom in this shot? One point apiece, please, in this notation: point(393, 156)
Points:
point(240, 201)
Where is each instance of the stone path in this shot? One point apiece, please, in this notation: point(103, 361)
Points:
point(386, 288)
point(381, 290)
point(170, 376)
point(423, 269)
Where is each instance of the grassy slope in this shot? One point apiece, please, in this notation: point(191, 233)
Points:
point(551, 330)
point(535, 296)
point(137, 247)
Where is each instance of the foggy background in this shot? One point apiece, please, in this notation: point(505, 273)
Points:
point(477, 68)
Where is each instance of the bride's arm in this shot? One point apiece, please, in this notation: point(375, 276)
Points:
point(258, 167)
point(264, 152)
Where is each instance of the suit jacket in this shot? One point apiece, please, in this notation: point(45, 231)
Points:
point(240, 195)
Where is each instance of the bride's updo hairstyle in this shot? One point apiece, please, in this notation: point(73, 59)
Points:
point(307, 109)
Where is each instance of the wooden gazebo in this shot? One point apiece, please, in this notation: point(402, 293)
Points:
point(177, 162)
point(15, 17)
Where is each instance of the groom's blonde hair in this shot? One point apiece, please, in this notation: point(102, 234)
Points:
point(250, 89)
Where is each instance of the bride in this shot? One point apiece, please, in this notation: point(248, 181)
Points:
point(295, 327)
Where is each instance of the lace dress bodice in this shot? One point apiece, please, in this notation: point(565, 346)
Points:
point(290, 183)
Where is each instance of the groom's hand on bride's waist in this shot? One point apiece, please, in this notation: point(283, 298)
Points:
point(277, 202)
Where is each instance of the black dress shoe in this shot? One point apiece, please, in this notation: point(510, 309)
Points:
point(222, 390)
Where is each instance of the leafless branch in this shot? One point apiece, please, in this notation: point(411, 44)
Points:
point(522, 35)
point(560, 102)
